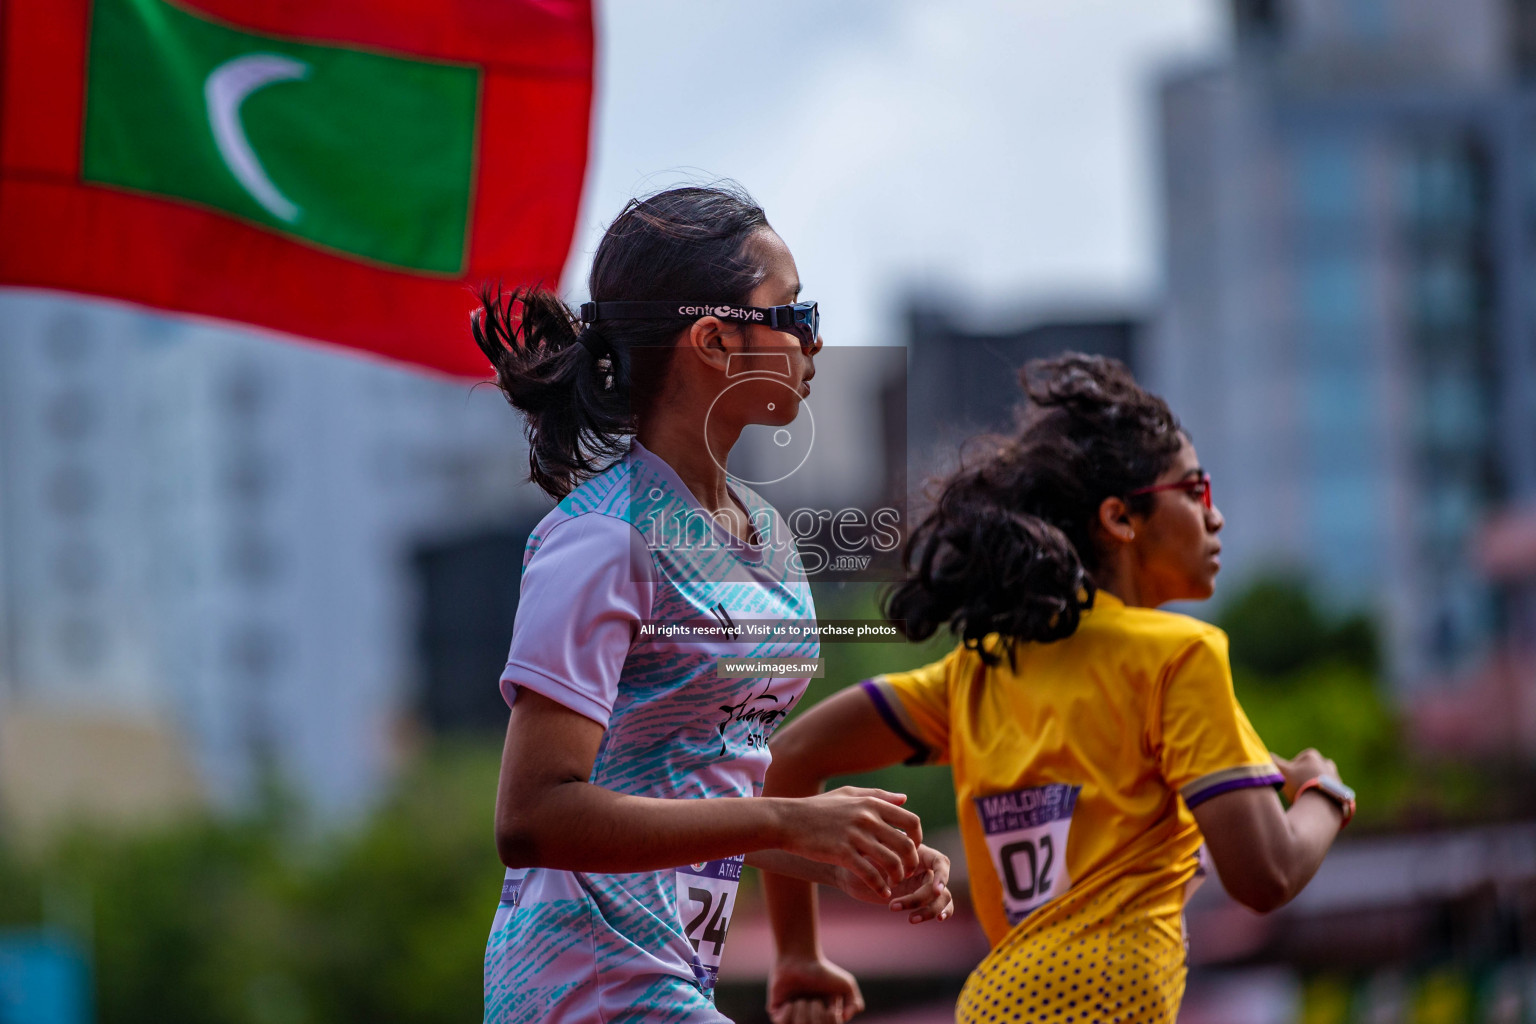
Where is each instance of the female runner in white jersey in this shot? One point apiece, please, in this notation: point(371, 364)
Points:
point(618, 813)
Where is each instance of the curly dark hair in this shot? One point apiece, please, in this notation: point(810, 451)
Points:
point(1008, 547)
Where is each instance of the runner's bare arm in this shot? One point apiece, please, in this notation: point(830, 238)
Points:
point(787, 864)
point(549, 815)
point(841, 735)
point(1264, 853)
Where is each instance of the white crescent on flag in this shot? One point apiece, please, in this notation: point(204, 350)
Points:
point(225, 89)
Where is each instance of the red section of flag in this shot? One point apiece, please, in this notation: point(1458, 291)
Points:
point(59, 232)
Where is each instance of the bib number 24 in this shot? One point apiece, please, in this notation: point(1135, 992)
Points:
point(1026, 832)
point(706, 899)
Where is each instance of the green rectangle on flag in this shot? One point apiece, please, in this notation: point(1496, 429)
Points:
point(368, 154)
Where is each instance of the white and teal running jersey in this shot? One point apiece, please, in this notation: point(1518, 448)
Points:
point(630, 547)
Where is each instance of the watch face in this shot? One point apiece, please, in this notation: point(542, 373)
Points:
point(1334, 788)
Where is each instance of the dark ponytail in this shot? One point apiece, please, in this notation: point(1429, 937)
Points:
point(1008, 546)
point(584, 390)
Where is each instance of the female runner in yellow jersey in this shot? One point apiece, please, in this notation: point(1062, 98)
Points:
point(1095, 741)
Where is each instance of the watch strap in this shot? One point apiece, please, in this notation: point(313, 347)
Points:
point(1320, 784)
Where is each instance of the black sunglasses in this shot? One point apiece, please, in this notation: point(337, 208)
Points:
point(800, 317)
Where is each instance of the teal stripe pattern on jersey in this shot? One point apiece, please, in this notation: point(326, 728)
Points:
point(583, 947)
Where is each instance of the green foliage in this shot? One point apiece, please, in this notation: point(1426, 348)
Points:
point(1277, 629)
point(848, 663)
point(406, 908)
point(930, 791)
point(1339, 710)
point(1310, 679)
point(245, 922)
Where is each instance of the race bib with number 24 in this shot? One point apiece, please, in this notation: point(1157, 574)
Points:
point(706, 899)
point(1026, 832)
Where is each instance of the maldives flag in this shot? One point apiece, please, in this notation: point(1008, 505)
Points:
point(343, 170)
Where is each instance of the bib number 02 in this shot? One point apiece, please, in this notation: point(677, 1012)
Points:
point(706, 899)
point(1026, 832)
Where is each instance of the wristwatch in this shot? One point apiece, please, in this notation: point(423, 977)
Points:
point(1334, 790)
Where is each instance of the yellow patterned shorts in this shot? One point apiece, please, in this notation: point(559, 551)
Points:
point(1080, 968)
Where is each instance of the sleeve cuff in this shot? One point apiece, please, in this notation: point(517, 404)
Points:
point(1217, 783)
point(891, 713)
point(518, 675)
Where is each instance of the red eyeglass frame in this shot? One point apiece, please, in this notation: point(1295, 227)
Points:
point(1203, 482)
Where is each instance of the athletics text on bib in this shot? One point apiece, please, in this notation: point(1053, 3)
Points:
point(1027, 832)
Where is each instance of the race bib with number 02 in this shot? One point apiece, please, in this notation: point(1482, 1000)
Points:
point(1027, 832)
point(706, 899)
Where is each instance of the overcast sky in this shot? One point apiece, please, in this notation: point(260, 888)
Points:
point(999, 151)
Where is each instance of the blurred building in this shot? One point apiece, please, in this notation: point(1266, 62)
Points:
point(1493, 712)
point(1349, 329)
point(467, 589)
point(964, 375)
point(208, 534)
point(229, 560)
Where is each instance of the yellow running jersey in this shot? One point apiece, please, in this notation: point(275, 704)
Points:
point(1074, 773)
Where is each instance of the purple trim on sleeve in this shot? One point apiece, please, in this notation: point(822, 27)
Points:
point(1231, 784)
point(920, 749)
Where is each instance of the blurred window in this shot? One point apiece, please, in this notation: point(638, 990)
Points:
point(1341, 409)
point(1332, 296)
point(73, 491)
point(1447, 293)
point(70, 415)
point(1346, 512)
point(77, 568)
point(467, 599)
point(1522, 31)
point(1443, 185)
point(1369, 19)
point(245, 391)
point(252, 560)
point(1453, 413)
point(1459, 618)
point(68, 341)
point(82, 643)
point(1257, 21)
point(248, 477)
point(1328, 181)
point(1449, 513)
point(254, 651)
point(1448, 287)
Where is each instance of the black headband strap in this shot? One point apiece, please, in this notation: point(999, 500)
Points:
point(592, 312)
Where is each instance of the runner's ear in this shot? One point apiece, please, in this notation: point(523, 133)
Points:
point(709, 341)
point(1115, 519)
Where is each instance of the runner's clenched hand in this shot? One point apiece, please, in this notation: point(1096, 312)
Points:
point(865, 831)
point(925, 892)
point(812, 991)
